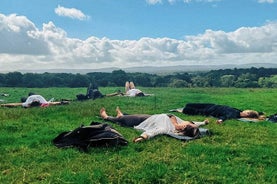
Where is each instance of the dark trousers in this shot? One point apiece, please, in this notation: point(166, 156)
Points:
point(129, 120)
point(197, 108)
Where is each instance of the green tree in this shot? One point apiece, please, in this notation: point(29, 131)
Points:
point(79, 81)
point(227, 80)
point(119, 77)
point(178, 83)
point(14, 79)
point(32, 80)
point(268, 82)
point(247, 80)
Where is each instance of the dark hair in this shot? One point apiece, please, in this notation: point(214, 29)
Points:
point(140, 94)
point(23, 99)
point(191, 131)
point(31, 93)
point(35, 104)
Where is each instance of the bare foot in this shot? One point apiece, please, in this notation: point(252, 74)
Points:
point(118, 111)
point(219, 121)
point(138, 139)
point(206, 121)
point(103, 113)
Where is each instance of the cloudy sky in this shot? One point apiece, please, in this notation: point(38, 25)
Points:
point(124, 33)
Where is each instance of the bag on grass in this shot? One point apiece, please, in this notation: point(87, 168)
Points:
point(273, 118)
point(94, 135)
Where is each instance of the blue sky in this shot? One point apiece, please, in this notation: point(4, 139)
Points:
point(125, 33)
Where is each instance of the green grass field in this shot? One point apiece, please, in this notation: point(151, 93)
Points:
point(237, 152)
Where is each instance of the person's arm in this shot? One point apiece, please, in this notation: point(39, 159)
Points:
point(177, 126)
point(227, 114)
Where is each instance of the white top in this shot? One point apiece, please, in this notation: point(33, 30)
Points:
point(33, 98)
point(157, 124)
point(133, 92)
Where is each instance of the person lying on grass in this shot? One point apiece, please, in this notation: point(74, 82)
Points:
point(94, 93)
point(222, 112)
point(153, 125)
point(34, 100)
point(131, 90)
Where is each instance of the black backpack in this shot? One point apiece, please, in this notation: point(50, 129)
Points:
point(94, 135)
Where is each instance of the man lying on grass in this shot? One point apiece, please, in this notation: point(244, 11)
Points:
point(222, 112)
point(153, 125)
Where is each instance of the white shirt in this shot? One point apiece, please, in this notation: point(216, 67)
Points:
point(33, 98)
point(133, 92)
point(157, 124)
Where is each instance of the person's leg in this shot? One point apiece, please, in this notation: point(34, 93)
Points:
point(199, 105)
point(103, 113)
point(124, 120)
point(119, 113)
point(89, 90)
point(132, 85)
point(196, 108)
point(119, 120)
point(127, 86)
point(95, 86)
point(113, 94)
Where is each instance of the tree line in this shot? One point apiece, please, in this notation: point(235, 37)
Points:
point(240, 78)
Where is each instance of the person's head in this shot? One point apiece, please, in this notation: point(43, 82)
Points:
point(140, 94)
point(31, 93)
point(191, 131)
point(23, 99)
point(249, 114)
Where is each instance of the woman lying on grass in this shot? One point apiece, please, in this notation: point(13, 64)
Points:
point(222, 112)
point(131, 90)
point(153, 125)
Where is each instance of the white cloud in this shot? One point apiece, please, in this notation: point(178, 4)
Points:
point(24, 46)
point(152, 2)
point(70, 12)
point(17, 36)
point(265, 1)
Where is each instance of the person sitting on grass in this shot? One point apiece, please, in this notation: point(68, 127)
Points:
point(157, 124)
point(222, 112)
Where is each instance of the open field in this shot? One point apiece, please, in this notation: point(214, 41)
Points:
point(237, 152)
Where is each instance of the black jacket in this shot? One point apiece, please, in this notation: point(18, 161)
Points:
point(96, 134)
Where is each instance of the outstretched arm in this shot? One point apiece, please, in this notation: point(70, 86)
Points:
point(178, 126)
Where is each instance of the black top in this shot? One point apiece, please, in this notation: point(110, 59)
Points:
point(222, 112)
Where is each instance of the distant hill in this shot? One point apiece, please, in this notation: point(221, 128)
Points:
point(157, 70)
